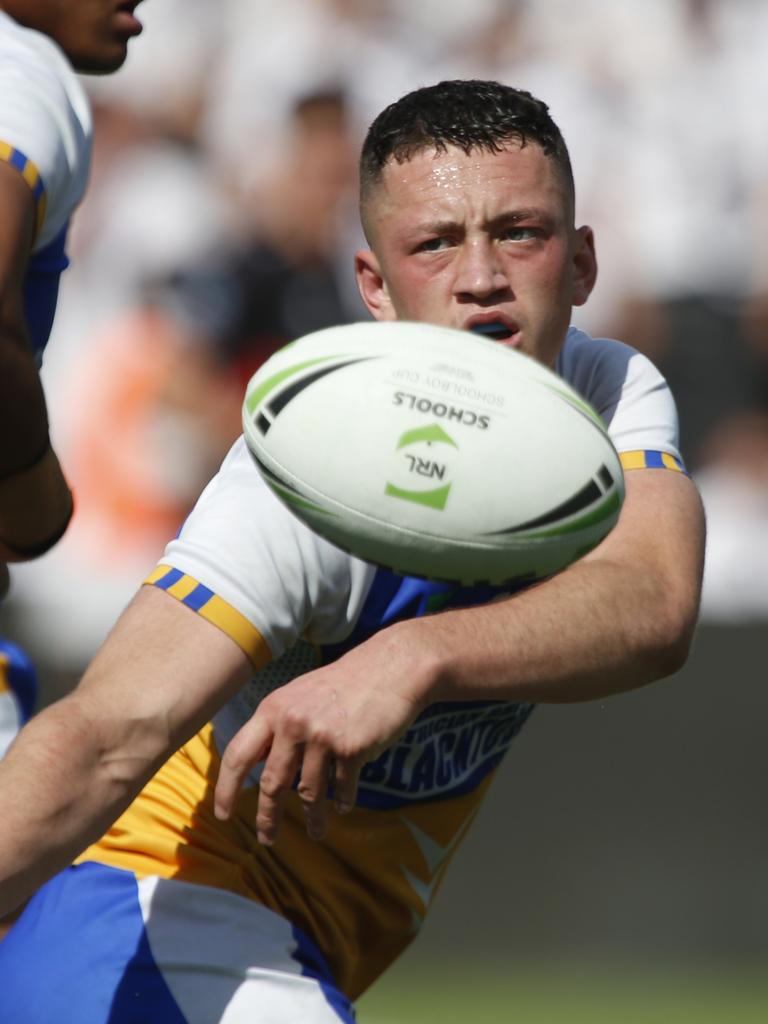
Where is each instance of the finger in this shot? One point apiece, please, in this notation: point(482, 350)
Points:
point(345, 783)
point(313, 789)
point(275, 783)
point(246, 748)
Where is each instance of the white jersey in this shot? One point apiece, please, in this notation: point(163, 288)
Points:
point(293, 601)
point(45, 133)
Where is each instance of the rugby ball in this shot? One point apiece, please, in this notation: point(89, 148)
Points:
point(433, 452)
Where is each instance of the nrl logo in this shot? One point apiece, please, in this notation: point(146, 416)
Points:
point(421, 462)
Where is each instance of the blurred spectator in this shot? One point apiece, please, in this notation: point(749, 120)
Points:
point(301, 224)
point(288, 270)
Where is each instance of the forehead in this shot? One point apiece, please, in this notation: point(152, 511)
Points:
point(482, 182)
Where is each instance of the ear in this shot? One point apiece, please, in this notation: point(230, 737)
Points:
point(372, 286)
point(584, 265)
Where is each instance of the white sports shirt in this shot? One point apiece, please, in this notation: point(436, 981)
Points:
point(45, 133)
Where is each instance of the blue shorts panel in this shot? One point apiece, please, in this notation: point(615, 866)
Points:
point(79, 955)
point(96, 946)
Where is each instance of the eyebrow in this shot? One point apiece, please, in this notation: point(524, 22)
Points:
point(439, 227)
point(524, 213)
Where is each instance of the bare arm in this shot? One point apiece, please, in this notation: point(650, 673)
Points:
point(76, 766)
point(35, 502)
point(620, 618)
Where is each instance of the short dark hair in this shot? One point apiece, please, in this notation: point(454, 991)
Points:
point(467, 113)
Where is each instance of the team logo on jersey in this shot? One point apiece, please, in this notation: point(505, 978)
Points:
point(447, 752)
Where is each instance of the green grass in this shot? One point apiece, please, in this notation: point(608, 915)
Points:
point(467, 994)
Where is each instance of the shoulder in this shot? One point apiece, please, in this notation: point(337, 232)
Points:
point(24, 43)
point(45, 121)
point(625, 388)
point(244, 546)
point(597, 365)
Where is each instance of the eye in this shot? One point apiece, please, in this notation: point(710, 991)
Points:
point(434, 244)
point(519, 234)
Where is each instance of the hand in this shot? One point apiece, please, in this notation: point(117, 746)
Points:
point(323, 727)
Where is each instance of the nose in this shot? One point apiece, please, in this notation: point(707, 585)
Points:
point(480, 272)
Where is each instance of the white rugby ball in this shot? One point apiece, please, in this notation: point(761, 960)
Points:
point(434, 452)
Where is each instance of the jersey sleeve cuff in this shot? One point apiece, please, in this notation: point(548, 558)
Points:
point(213, 608)
point(646, 459)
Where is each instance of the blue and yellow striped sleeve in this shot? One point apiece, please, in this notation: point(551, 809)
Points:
point(213, 608)
point(29, 172)
point(651, 460)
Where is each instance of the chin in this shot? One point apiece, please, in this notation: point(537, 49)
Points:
point(100, 62)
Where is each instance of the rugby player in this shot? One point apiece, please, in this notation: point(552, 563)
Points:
point(187, 775)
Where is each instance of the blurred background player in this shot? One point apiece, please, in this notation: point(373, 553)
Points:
point(45, 137)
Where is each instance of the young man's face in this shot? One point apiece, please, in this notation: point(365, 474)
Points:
point(463, 240)
point(93, 33)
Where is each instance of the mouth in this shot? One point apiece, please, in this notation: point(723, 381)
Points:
point(496, 330)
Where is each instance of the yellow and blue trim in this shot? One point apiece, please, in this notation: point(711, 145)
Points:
point(29, 172)
point(651, 460)
point(215, 609)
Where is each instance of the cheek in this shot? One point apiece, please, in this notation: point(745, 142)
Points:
point(550, 281)
point(412, 288)
point(552, 268)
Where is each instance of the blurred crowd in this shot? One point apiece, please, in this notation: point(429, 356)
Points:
point(221, 219)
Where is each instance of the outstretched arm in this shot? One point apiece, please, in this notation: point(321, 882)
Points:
point(77, 765)
point(621, 617)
